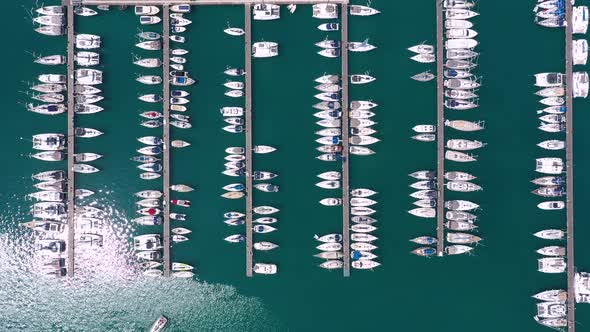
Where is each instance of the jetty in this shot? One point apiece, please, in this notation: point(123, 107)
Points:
point(440, 130)
point(569, 160)
point(345, 146)
point(248, 133)
point(70, 243)
point(166, 136)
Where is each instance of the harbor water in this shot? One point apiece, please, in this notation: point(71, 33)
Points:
point(487, 291)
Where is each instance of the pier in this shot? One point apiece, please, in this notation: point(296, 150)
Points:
point(71, 144)
point(440, 130)
point(248, 133)
point(166, 135)
point(569, 160)
point(205, 2)
point(345, 146)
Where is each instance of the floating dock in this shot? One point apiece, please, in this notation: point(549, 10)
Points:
point(166, 136)
point(345, 146)
point(205, 2)
point(569, 160)
point(440, 130)
point(71, 144)
point(248, 133)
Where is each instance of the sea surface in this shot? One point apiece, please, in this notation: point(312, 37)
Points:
point(488, 291)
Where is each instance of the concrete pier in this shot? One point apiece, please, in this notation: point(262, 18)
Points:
point(166, 136)
point(569, 159)
point(345, 145)
point(440, 130)
point(71, 144)
point(248, 133)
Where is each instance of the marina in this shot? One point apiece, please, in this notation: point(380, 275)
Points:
point(475, 231)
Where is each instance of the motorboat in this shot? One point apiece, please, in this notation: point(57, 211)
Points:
point(149, 255)
point(549, 80)
point(232, 111)
point(329, 238)
point(261, 268)
point(265, 220)
point(181, 8)
point(267, 187)
point(234, 72)
point(553, 191)
point(260, 175)
point(327, 43)
point(423, 76)
point(181, 202)
point(49, 142)
point(461, 34)
point(87, 41)
point(148, 202)
point(361, 201)
point(462, 238)
point(424, 251)
point(363, 228)
point(325, 11)
point(458, 24)
point(551, 205)
point(148, 35)
point(454, 73)
point(361, 211)
point(147, 242)
point(356, 10)
point(361, 151)
point(556, 251)
point(460, 215)
point(328, 184)
point(363, 246)
point(265, 210)
point(425, 137)
point(149, 20)
point(422, 49)
point(88, 76)
point(459, 156)
point(426, 129)
point(363, 46)
point(329, 27)
point(146, 10)
point(460, 43)
point(331, 201)
point(181, 231)
point(328, 79)
point(149, 194)
point(459, 104)
point(265, 49)
point(550, 234)
point(266, 12)
point(461, 54)
point(463, 125)
point(423, 212)
point(551, 265)
point(460, 205)
point(178, 216)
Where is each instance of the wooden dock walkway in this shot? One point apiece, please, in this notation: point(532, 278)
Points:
point(248, 133)
point(206, 2)
point(345, 146)
point(166, 136)
point(440, 130)
point(569, 157)
point(71, 144)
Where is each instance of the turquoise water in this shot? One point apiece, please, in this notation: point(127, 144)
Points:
point(489, 291)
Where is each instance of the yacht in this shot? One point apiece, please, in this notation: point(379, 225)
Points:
point(581, 84)
point(51, 10)
point(182, 8)
point(265, 49)
point(423, 76)
point(325, 11)
point(463, 144)
point(363, 140)
point(362, 237)
point(148, 62)
point(461, 54)
point(556, 251)
point(580, 19)
point(87, 41)
point(49, 88)
point(52, 79)
point(549, 165)
point(329, 246)
point(461, 33)
point(457, 249)
point(461, 84)
point(88, 76)
point(422, 49)
point(265, 12)
point(146, 10)
point(361, 201)
point(554, 191)
point(86, 89)
point(84, 11)
point(424, 58)
point(550, 234)
point(364, 264)
point(50, 20)
point(332, 175)
point(328, 184)
point(459, 225)
point(333, 79)
point(549, 181)
point(87, 59)
point(363, 220)
point(424, 184)
point(460, 43)
point(580, 51)
point(460, 216)
point(49, 142)
point(356, 10)
point(461, 186)
point(552, 265)
point(265, 210)
point(462, 238)
point(424, 240)
point(553, 295)
point(423, 175)
point(549, 80)
point(361, 192)
point(361, 151)
point(553, 118)
point(423, 212)
point(47, 109)
point(460, 205)
point(52, 60)
point(463, 125)
point(459, 176)
point(51, 30)
point(459, 14)
point(425, 203)
point(459, 156)
point(263, 149)
point(424, 251)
